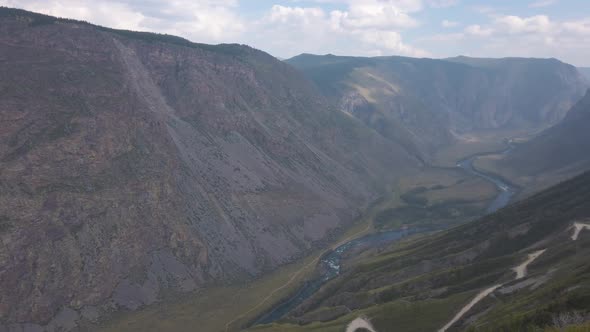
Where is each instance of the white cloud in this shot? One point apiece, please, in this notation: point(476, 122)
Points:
point(514, 24)
point(389, 41)
point(477, 30)
point(367, 27)
point(201, 20)
point(510, 35)
point(116, 15)
point(378, 14)
point(449, 24)
point(356, 27)
point(282, 14)
point(360, 27)
point(579, 28)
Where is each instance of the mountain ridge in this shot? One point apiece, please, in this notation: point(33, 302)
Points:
point(550, 156)
point(426, 103)
point(132, 167)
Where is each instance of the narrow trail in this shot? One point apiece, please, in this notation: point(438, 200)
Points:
point(578, 227)
point(294, 277)
point(470, 305)
point(360, 323)
point(521, 272)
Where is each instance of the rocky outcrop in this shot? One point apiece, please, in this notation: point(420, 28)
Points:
point(132, 164)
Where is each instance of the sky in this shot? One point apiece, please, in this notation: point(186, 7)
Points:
point(418, 28)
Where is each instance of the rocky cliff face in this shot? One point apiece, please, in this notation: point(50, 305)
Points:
point(421, 103)
point(134, 163)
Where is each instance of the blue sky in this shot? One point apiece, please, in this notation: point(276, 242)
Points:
point(422, 28)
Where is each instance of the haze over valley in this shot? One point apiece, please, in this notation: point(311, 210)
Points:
point(153, 183)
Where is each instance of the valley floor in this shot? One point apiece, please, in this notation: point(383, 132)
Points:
point(215, 313)
point(439, 195)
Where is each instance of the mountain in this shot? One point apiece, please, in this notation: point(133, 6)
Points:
point(585, 72)
point(528, 263)
point(553, 155)
point(425, 103)
point(136, 164)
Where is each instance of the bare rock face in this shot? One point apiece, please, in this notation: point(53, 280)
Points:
point(132, 164)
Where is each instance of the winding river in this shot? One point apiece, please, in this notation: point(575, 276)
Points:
point(330, 264)
point(330, 267)
point(506, 190)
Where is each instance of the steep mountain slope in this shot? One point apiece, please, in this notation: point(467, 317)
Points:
point(134, 163)
point(585, 72)
point(420, 285)
point(553, 155)
point(423, 103)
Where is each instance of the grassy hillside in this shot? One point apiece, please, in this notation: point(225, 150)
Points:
point(421, 284)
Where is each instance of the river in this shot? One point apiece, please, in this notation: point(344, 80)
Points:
point(506, 190)
point(330, 264)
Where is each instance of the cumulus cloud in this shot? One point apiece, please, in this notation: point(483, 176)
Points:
point(117, 15)
point(378, 14)
point(477, 30)
point(511, 35)
point(297, 15)
point(514, 24)
point(362, 27)
point(366, 27)
point(389, 41)
point(579, 28)
point(201, 20)
point(355, 27)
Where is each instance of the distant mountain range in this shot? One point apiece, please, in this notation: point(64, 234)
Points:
point(422, 103)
